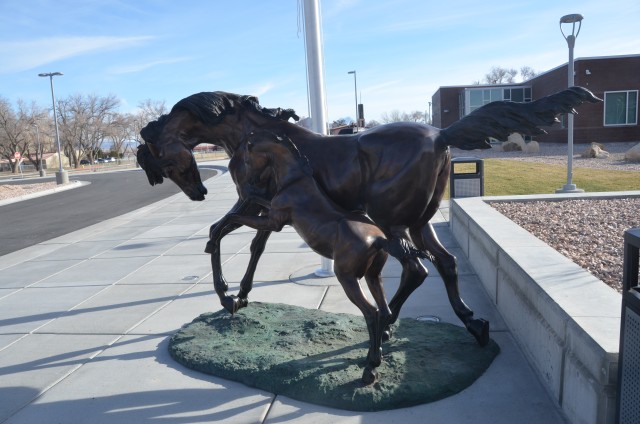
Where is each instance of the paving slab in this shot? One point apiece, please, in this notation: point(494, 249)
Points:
point(115, 309)
point(94, 271)
point(36, 363)
point(135, 381)
point(28, 309)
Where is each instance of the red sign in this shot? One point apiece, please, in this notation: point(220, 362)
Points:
point(16, 155)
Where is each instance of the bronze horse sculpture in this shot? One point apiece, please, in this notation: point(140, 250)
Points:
point(356, 245)
point(396, 173)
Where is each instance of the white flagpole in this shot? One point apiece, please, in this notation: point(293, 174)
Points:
point(315, 80)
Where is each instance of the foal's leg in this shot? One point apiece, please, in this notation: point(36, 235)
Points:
point(246, 284)
point(446, 265)
point(355, 294)
point(374, 282)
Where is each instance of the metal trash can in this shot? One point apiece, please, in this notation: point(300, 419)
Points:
point(628, 396)
point(466, 178)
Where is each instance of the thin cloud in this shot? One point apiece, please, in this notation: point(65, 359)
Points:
point(24, 55)
point(130, 69)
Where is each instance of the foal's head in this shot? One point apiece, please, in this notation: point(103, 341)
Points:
point(271, 156)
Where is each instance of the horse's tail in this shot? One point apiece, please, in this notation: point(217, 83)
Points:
point(402, 249)
point(502, 118)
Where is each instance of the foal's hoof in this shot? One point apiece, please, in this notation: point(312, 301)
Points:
point(233, 303)
point(210, 248)
point(369, 376)
point(479, 328)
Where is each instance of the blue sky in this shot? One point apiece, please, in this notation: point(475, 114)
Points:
point(402, 50)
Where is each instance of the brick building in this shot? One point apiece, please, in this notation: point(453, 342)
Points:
point(615, 79)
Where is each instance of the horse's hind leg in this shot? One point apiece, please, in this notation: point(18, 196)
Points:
point(446, 265)
point(413, 275)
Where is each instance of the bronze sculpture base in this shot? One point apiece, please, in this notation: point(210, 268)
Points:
point(318, 357)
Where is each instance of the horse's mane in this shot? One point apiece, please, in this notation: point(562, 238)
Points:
point(212, 107)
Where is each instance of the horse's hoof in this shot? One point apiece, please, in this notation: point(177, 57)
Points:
point(369, 376)
point(232, 303)
point(387, 333)
point(479, 328)
point(210, 248)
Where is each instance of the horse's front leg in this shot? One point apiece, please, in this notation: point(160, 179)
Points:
point(264, 227)
point(216, 233)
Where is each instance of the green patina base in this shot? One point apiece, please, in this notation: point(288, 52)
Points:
point(318, 357)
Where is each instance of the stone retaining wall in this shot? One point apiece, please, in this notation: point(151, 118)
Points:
point(565, 319)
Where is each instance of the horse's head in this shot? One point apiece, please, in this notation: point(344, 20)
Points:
point(200, 118)
point(169, 159)
point(180, 167)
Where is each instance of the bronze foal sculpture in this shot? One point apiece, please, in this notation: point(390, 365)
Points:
point(395, 173)
point(356, 245)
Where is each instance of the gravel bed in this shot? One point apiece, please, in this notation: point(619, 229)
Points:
point(589, 232)
point(9, 191)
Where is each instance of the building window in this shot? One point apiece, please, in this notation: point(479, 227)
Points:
point(476, 97)
point(621, 108)
point(518, 95)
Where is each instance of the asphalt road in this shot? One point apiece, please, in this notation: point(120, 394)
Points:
point(29, 222)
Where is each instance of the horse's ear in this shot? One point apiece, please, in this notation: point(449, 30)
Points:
point(250, 98)
point(150, 165)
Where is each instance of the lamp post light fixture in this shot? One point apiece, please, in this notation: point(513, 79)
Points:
point(39, 151)
point(572, 20)
point(61, 176)
point(355, 90)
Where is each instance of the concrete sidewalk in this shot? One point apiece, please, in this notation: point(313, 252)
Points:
point(85, 321)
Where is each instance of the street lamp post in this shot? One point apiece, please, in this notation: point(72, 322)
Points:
point(572, 19)
point(355, 90)
point(39, 151)
point(61, 176)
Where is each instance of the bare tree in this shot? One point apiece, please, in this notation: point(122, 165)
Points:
point(85, 122)
point(527, 72)
point(149, 110)
point(500, 75)
point(14, 130)
point(338, 123)
point(372, 123)
point(122, 129)
point(393, 116)
point(397, 116)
